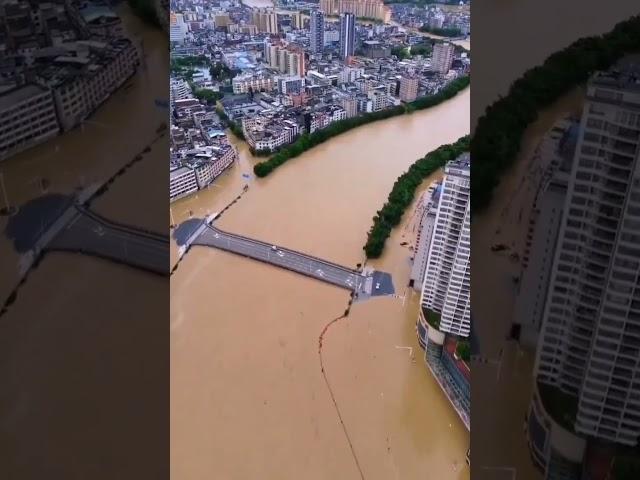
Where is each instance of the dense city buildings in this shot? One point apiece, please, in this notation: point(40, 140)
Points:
point(375, 9)
point(276, 88)
point(449, 21)
point(586, 364)
point(347, 34)
point(200, 151)
point(61, 62)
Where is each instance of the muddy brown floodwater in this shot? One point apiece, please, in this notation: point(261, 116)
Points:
point(248, 396)
point(501, 395)
point(79, 323)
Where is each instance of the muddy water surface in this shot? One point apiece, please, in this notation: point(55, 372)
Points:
point(248, 396)
point(78, 334)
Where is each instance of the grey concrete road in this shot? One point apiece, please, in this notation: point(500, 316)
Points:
point(282, 257)
point(87, 233)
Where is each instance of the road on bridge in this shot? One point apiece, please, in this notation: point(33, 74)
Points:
point(282, 257)
point(91, 234)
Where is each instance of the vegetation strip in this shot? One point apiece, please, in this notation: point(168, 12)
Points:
point(499, 132)
point(308, 141)
point(404, 190)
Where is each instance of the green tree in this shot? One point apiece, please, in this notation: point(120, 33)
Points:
point(443, 32)
point(499, 131)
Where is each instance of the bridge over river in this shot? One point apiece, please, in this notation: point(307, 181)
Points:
point(361, 283)
point(86, 232)
point(73, 227)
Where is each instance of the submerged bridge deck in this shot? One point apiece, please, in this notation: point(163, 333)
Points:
point(83, 231)
point(308, 265)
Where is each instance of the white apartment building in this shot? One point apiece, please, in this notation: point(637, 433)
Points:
point(210, 162)
point(178, 32)
point(182, 182)
point(542, 236)
point(266, 133)
point(290, 85)
point(442, 57)
point(350, 74)
point(380, 100)
point(288, 59)
point(254, 82)
point(88, 76)
point(179, 90)
point(27, 117)
point(429, 209)
point(590, 339)
point(446, 288)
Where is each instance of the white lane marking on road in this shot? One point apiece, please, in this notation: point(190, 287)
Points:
point(73, 221)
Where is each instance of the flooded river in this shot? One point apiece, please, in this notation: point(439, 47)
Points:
point(248, 396)
point(81, 344)
point(529, 32)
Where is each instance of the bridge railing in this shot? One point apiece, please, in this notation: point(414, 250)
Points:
point(317, 259)
point(287, 267)
point(122, 226)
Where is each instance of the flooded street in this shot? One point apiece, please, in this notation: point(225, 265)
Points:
point(74, 312)
point(96, 151)
point(248, 396)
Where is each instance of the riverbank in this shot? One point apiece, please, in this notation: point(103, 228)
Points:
point(308, 141)
point(499, 132)
point(403, 193)
point(264, 348)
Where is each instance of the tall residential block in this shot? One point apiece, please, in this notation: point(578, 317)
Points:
point(447, 278)
point(347, 35)
point(316, 36)
point(442, 57)
point(591, 332)
point(408, 88)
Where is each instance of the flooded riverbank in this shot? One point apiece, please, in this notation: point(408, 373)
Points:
point(504, 392)
point(248, 397)
point(80, 349)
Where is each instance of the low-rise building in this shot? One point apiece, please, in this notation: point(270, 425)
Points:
point(268, 132)
point(182, 182)
point(253, 82)
point(27, 117)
